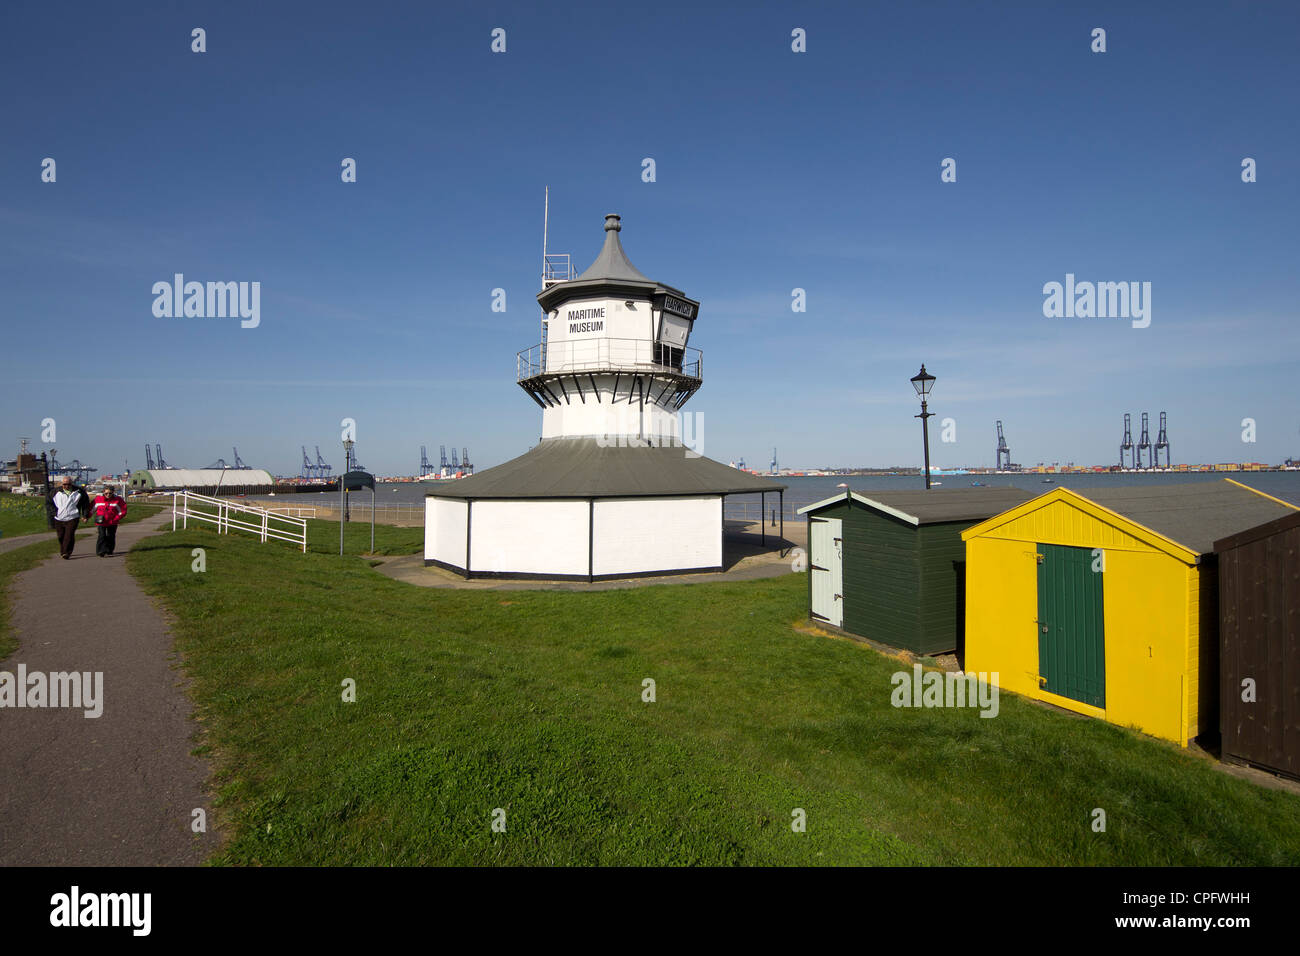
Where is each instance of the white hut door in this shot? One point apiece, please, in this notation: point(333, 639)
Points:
point(827, 569)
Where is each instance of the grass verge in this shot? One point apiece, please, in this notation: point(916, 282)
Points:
point(12, 563)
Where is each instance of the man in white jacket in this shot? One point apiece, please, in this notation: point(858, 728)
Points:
point(68, 505)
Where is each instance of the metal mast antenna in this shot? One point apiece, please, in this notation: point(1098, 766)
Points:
point(546, 223)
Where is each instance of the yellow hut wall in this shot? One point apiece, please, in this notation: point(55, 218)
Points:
point(1152, 620)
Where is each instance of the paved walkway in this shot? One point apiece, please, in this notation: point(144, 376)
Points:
point(747, 559)
point(117, 790)
point(8, 544)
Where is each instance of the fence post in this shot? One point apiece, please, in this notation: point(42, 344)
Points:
point(173, 511)
point(265, 516)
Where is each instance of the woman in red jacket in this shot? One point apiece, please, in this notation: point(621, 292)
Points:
point(109, 510)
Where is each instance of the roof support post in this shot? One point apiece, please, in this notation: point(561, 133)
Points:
point(469, 506)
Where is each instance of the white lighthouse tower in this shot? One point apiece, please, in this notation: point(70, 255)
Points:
point(611, 491)
point(614, 363)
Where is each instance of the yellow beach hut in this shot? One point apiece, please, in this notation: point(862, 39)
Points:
point(1104, 601)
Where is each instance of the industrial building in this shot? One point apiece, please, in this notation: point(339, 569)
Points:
point(1259, 645)
point(890, 565)
point(611, 490)
point(207, 481)
point(1105, 604)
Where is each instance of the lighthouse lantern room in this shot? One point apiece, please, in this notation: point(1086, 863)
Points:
point(611, 490)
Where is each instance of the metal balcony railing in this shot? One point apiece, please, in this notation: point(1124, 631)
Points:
point(608, 355)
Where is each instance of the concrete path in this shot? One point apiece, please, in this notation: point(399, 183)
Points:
point(117, 790)
point(9, 544)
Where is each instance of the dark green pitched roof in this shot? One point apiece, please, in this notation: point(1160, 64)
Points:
point(583, 468)
point(938, 504)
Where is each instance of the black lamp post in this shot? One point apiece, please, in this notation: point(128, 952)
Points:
point(347, 468)
point(923, 381)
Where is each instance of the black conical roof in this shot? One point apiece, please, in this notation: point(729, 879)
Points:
point(612, 263)
point(611, 272)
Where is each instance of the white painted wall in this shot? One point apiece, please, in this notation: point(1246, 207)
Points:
point(657, 534)
point(632, 327)
point(444, 531)
point(529, 537)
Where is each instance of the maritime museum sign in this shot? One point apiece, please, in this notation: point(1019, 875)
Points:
point(585, 320)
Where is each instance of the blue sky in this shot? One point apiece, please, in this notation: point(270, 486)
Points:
point(775, 170)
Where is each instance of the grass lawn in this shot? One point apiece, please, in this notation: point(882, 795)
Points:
point(469, 701)
point(21, 514)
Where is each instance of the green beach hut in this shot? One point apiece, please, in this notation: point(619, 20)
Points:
point(890, 565)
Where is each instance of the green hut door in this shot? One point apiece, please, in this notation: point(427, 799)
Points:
point(1071, 624)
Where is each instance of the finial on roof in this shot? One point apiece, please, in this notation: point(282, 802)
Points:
point(612, 223)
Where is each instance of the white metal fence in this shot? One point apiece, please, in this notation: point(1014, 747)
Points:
point(227, 514)
point(608, 354)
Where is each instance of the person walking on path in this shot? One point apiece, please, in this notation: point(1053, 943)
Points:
point(109, 510)
point(65, 508)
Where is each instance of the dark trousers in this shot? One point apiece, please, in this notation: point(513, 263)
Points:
point(107, 541)
point(67, 533)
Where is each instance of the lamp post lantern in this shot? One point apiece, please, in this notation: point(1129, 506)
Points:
point(923, 381)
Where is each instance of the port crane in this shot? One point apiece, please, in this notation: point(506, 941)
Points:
point(425, 466)
point(148, 457)
point(1162, 441)
point(465, 466)
point(322, 470)
point(1126, 444)
point(1144, 443)
point(1002, 453)
point(79, 472)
